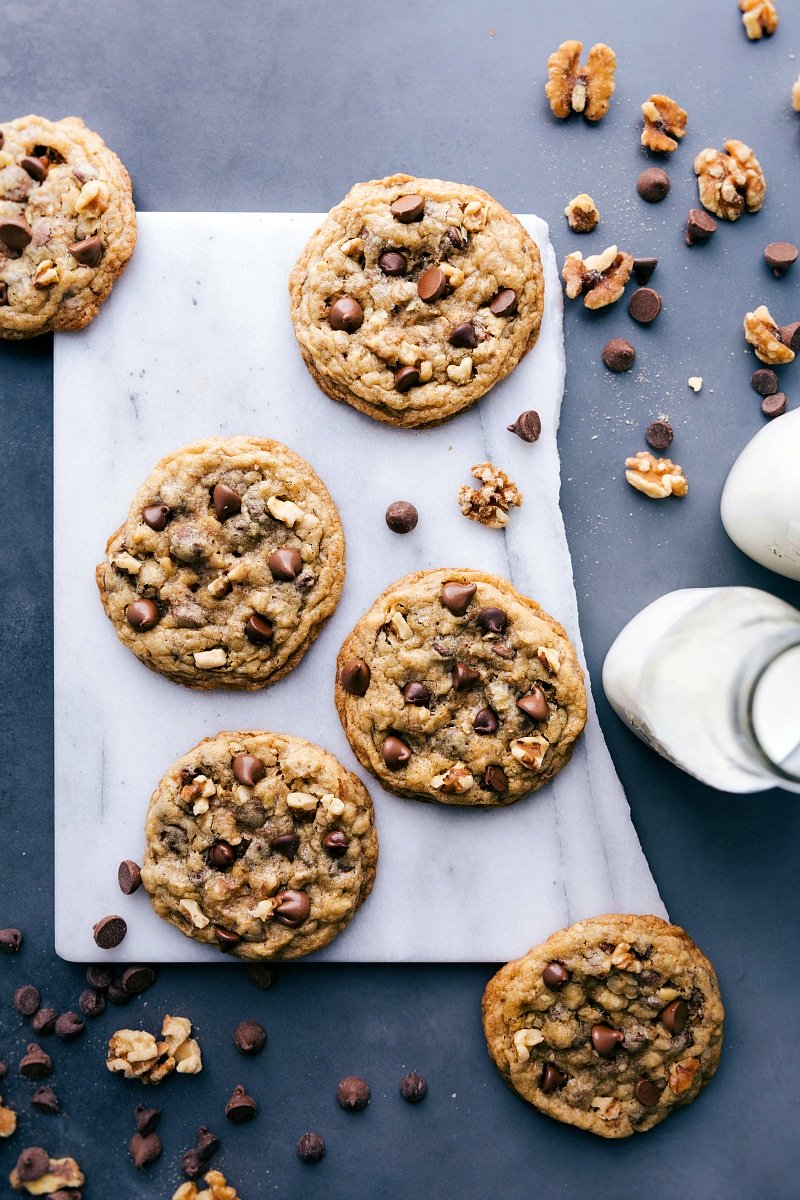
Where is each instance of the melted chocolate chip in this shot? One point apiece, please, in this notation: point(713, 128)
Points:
point(495, 779)
point(156, 516)
point(392, 262)
point(142, 615)
point(485, 721)
point(293, 908)
point(534, 704)
point(555, 975)
point(335, 843)
point(259, 630)
point(493, 620)
point(395, 753)
point(552, 1079)
point(464, 677)
point(286, 844)
point(354, 677)
point(346, 313)
point(227, 502)
point(456, 597)
point(416, 693)
point(407, 208)
point(248, 769)
point(285, 564)
point(504, 303)
point(605, 1039)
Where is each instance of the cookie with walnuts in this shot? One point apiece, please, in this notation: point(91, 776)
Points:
point(260, 844)
point(229, 562)
point(67, 224)
point(414, 297)
point(455, 688)
point(609, 1025)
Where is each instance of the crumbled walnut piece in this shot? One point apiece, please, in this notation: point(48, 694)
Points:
point(730, 182)
point(530, 751)
point(192, 910)
point(208, 659)
point(401, 626)
point(8, 1121)
point(218, 1189)
point(549, 658)
point(489, 504)
point(575, 88)
point(61, 1173)
point(681, 1077)
point(796, 94)
point(454, 275)
point(656, 477)
point(331, 806)
point(759, 17)
point(695, 382)
point(664, 122)
point(352, 247)
point(460, 372)
point(133, 1052)
point(285, 511)
point(46, 274)
point(582, 213)
point(623, 958)
point(127, 563)
point(763, 334)
point(93, 198)
point(455, 781)
point(302, 801)
point(219, 587)
point(600, 278)
point(524, 1040)
point(608, 1107)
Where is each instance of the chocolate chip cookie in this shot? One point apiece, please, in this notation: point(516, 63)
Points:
point(609, 1025)
point(453, 687)
point(260, 844)
point(230, 561)
point(414, 297)
point(67, 224)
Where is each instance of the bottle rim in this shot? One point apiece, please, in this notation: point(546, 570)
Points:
point(784, 647)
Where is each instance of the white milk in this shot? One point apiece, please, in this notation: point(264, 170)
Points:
point(710, 678)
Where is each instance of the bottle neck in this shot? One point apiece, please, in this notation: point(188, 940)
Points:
point(769, 708)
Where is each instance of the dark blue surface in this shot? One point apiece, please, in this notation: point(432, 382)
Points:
point(282, 106)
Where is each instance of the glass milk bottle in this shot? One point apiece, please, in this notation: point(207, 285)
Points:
point(710, 678)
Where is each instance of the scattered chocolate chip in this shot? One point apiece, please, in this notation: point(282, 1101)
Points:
point(464, 336)
point(142, 615)
point(765, 382)
point(432, 284)
point(464, 677)
point(353, 1093)
point(659, 435)
point(192, 1164)
point(44, 1021)
point(32, 1164)
point(335, 843)
point(146, 1119)
point(417, 693)
point(286, 844)
point(227, 502)
point(619, 355)
point(774, 406)
point(534, 704)
point(401, 517)
point(109, 932)
point(45, 1101)
point(456, 597)
point(138, 979)
point(3, 1069)
point(392, 262)
point(555, 975)
point(310, 1148)
point(248, 769)
point(395, 753)
point(293, 907)
point(27, 1000)
point(346, 313)
point(226, 938)
point(263, 977)
point(495, 779)
point(605, 1039)
point(240, 1107)
point(699, 226)
point(527, 426)
point(259, 630)
point(98, 976)
point(485, 721)
point(790, 336)
point(780, 257)
point(413, 1088)
point(285, 564)
point(644, 305)
point(647, 1093)
point(88, 253)
point(207, 1146)
point(407, 208)
point(456, 237)
point(674, 1016)
point(405, 378)
point(69, 1026)
point(552, 1079)
point(354, 677)
point(15, 232)
point(493, 620)
point(129, 878)
point(117, 995)
point(36, 1063)
point(144, 1149)
point(91, 1002)
point(653, 184)
point(643, 269)
point(249, 1037)
point(504, 303)
point(35, 167)
point(10, 940)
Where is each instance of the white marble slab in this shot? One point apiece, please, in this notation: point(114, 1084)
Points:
point(197, 340)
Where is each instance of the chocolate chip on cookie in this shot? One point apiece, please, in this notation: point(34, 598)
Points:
point(347, 314)
point(354, 676)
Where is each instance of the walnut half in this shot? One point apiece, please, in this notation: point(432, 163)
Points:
point(600, 278)
point(764, 335)
point(730, 182)
point(664, 121)
point(759, 17)
point(656, 477)
point(582, 89)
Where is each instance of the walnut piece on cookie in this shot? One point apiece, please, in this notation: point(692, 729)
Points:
point(759, 17)
point(489, 504)
point(656, 477)
point(582, 89)
point(582, 214)
point(763, 333)
point(600, 278)
point(731, 182)
point(609, 1025)
point(664, 124)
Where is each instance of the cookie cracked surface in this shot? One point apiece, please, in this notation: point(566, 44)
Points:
point(414, 297)
point(455, 688)
point(67, 225)
point(229, 562)
point(260, 844)
point(609, 1025)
